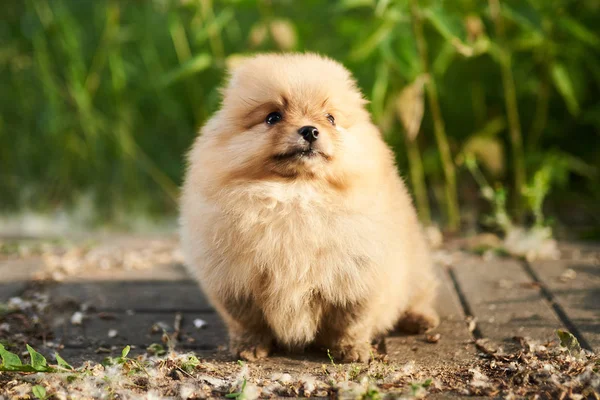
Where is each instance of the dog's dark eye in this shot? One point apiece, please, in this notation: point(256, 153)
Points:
point(331, 119)
point(273, 118)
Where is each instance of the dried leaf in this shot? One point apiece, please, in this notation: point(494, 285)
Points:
point(433, 338)
point(474, 27)
point(569, 341)
point(567, 275)
point(489, 151)
point(485, 347)
point(410, 106)
point(283, 33)
point(258, 34)
point(471, 324)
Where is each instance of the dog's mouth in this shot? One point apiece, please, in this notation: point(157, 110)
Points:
point(299, 154)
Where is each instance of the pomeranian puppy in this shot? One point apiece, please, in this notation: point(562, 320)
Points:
point(294, 219)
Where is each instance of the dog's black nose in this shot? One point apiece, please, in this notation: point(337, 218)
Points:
point(309, 133)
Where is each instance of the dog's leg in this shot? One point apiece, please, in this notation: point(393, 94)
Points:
point(250, 338)
point(347, 332)
point(420, 316)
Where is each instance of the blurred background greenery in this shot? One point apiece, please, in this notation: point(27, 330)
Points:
point(492, 107)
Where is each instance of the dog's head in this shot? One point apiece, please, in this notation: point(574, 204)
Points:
point(291, 116)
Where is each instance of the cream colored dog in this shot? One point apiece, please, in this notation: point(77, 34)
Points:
point(294, 219)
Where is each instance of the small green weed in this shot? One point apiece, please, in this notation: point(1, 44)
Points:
point(330, 357)
point(496, 196)
point(4, 310)
point(156, 349)
point(238, 395)
point(12, 363)
point(39, 392)
point(130, 365)
point(62, 363)
point(372, 394)
point(354, 372)
point(415, 388)
point(190, 364)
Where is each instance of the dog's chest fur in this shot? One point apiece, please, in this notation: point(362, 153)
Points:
point(287, 245)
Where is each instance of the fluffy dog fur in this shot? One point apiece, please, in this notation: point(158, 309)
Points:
point(296, 246)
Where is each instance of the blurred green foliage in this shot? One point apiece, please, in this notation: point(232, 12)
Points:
point(103, 97)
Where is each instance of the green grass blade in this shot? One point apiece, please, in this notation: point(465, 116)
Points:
point(193, 66)
point(563, 83)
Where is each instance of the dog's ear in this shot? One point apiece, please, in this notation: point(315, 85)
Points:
point(232, 63)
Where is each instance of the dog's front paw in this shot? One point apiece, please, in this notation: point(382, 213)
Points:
point(253, 353)
point(418, 321)
point(250, 348)
point(352, 352)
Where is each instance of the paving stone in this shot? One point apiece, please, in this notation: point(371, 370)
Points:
point(575, 287)
point(15, 274)
point(137, 329)
point(454, 344)
point(505, 301)
point(152, 296)
point(155, 273)
point(12, 289)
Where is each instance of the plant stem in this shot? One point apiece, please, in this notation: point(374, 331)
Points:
point(452, 209)
point(510, 98)
point(540, 118)
point(417, 178)
point(479, 104)
point(216, 42)
point(184, 54)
